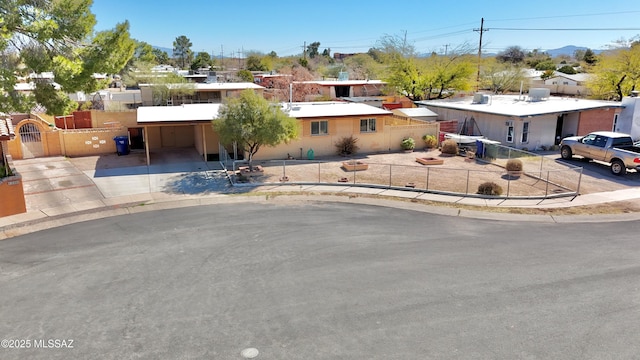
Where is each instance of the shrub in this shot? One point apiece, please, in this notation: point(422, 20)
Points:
point(3, 171)
point(449, 146)
point(347, 145)
point(430, 141)
point(489, 188)
point(408, 144)
point(514, 165)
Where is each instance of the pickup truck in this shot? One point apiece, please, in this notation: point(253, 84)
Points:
point(615, 148)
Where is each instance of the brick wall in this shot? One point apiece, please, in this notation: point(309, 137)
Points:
point(595, 120)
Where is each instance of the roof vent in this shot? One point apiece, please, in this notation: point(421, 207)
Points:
point(539, 94)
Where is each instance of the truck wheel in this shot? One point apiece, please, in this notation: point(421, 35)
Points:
point(618, 168)
point(566, 153)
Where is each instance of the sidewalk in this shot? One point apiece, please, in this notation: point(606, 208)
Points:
point(61, 191)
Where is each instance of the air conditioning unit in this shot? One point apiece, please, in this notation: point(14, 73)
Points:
point(508, 123)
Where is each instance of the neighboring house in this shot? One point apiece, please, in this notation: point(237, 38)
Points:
point(213, 93)
point(335, 89)
point(529, 121)
point(322, 124)
point(567, 84)
point(629, 119)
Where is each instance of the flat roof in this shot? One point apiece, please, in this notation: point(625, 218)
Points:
point(303, 110)
point(207, 112)
point(417, 112)
point(215, 86)
point(520, 106)
point(182, 113)
point(343, 82)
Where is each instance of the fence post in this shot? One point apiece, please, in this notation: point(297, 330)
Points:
point(427, 185)
point(579, 181)
point(468, 175)
point(508, 185)
point(546, 191)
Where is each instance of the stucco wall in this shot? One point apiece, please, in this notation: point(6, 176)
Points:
point(386, 138)
point(105, 119)
point(541, 128)
point(87, 142)
point(12, 195)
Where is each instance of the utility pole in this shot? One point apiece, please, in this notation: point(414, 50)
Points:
point(304, 50)
point(446, 46)
point(481, 30)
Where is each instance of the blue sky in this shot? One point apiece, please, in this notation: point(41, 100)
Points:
point(346, 26)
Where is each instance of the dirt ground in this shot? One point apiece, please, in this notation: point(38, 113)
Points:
point(457, 174)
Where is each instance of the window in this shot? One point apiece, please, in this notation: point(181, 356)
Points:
point(367, 125)
point(510, 131)
point(319, 127)
point(525, 132)
point(565, 83)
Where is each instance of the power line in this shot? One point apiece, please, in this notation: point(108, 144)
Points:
point(567, 16)
point(565, 29)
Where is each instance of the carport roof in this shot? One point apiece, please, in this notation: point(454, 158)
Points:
point(183, 113)
point(417, 112)
point(517, 106)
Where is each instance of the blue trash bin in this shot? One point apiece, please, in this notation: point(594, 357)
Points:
point(122, 145)
point(479, 149)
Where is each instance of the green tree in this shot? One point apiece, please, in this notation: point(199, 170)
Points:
point(245, 75)
point(56, 36)
point(144, 52)
point(501, 77)
point(182, 51)
point(616, 74)
point(312, 49)
point(535, 57)
point(251, 122)
point(202, 60)
point(434, 77)
point(363, 66)
point(567, 70)
point(254, 63)
point(546, 65)
point(589, 57)
point(161, 56)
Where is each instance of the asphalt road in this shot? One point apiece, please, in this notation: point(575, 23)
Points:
point(320, 281)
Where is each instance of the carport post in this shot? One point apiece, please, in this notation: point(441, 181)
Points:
point(146, 144)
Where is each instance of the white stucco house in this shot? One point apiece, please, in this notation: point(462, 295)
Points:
point(527, 121)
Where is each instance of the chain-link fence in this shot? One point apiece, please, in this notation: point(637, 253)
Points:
point(541, 177)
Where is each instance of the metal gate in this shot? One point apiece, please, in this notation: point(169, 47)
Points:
point(31, 141)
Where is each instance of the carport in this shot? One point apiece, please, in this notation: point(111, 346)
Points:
point(179, 126)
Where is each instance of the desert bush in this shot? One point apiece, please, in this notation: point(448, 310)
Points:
point(347, 145)
point(514, 165)
point(430, 141)
point(449, 146)
point(489, 188)
point(408, 144)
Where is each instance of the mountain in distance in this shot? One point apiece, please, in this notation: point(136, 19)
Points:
point(569, 50)
point(167, 50)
